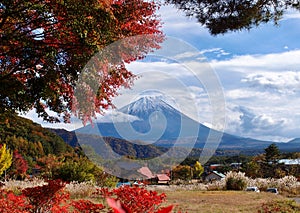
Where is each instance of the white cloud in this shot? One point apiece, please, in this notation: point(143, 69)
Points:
point(108, 116)
point(243, 93)
point(268, 85)
point(282, 82)
point(291, 14)
point(275, 62)
point(266, 123)
point(256, 123)
point(75, 123)
point(115, 117)
point(218, 52)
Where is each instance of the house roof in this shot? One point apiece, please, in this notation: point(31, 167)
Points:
point(235, 164)
point(146, 172)
point(216, 165)
point(163, 177)
point(219, 174)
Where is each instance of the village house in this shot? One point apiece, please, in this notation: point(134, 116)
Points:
point(213, 176)
point(162, 179)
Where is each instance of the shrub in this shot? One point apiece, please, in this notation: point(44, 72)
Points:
point(287, 184)
point(17, 186)
point(235, 181)
point(216, 185)
point(11, 203)
point(80, 190)
point(137, 199)
point(44, 198)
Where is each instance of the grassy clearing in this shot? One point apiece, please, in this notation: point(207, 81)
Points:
point(220, 201)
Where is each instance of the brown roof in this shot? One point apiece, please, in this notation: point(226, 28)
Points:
point(163, 177)
point(146, 172)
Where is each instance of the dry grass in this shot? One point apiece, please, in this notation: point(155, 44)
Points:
point(219, 201)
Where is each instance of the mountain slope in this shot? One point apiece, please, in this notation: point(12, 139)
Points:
point(30, 138)
point(295, 141)
point(119, 146)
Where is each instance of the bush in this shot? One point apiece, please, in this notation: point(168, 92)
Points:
point(235, 184)
point(236, 181)
point(137, 199)
point(80, 190)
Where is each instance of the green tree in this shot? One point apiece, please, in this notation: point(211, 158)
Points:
point(183, 172)
point(78, 170)
point(232, 15)
point(252, 169)
point(272, 153)
point(5, 159)
point(269, 165)
point(198, 170)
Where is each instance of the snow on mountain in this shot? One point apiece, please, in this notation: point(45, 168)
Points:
point(149, 102)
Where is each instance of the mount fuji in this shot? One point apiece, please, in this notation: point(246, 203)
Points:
point(158, 121)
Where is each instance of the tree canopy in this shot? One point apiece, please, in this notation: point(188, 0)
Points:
point(46, 44)
point(232, 15)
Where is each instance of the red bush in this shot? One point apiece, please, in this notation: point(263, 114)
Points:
point(43, 198)
point(11, 203)
point(52, 198)
point(86, 206)
point(134, 199)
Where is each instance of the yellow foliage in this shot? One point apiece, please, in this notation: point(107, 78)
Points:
point(5, 158)
point(198, 169)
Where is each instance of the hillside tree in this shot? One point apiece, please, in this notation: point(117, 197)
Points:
point(45, 44)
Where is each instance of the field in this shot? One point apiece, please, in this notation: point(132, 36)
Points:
point(220, 201)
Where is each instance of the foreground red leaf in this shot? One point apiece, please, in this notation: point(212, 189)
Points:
point(46, 44)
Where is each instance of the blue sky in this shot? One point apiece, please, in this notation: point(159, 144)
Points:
point(259, 71)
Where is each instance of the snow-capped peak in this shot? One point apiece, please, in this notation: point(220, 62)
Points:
point(156, 96)
point(148, 102)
